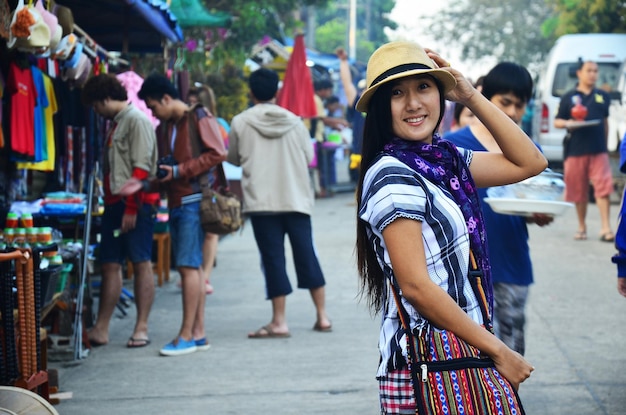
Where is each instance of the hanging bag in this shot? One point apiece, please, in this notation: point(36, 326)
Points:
point(220, 209)
point(449, 376)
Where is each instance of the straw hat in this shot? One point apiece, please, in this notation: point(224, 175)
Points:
point(398, 60)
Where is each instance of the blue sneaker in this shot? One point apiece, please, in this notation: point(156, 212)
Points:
point(202, 344)
point(178, 347)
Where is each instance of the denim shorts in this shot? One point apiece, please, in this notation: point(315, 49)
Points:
point(135, 244)
point(187, 235)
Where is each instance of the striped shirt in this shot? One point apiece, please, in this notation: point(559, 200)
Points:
point(392, 190)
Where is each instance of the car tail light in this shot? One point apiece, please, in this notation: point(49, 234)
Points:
point(545, 122)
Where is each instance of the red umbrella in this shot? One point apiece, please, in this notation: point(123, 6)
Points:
point(296, 95)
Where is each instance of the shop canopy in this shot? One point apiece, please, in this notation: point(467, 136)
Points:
point(126, 25)
point(192, 13)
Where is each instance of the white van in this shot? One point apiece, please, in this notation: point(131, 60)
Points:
point(558, 76)
point(617, 112)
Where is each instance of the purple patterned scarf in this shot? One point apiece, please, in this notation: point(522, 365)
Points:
point(441, 164)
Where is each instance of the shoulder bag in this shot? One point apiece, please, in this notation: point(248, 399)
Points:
point(220, 209)
point(450, 376)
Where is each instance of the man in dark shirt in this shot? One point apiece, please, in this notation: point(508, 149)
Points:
point(586, 156)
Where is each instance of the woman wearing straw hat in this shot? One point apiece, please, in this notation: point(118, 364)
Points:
point(419, 217)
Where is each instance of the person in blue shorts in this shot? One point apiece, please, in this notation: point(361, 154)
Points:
point(183, 129)
point(130, 150)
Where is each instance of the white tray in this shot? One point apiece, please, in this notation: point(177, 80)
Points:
point(585, 123)
point(527, 207)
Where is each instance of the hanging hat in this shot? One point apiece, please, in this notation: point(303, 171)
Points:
point(84, 70)
point(396, 60)
point(72, 60)
point(64, 15)
point(46, 52)
point(28, 30)
point(77, 75)
point(72, 68)
point(50, 19)
point(55, 38)
point(64, 49)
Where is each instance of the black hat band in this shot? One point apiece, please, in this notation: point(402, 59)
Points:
point(399, 69)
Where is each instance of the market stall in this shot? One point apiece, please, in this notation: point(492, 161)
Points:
point(50, 144)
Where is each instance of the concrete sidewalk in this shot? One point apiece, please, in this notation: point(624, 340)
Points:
point(575, 337)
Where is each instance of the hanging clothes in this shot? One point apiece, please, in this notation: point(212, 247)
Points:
point(21, 88)
point(52, 108)
point(41, 103)
point(1, 110)
point(132, 83)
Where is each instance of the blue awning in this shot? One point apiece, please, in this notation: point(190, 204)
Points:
point(126, 25)
point(157, 13)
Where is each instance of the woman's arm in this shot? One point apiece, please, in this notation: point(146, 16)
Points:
point(520, 157)
point(403, 238)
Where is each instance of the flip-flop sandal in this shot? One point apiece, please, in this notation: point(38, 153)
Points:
point(323, 329)
point(580, 236)
point(266, 332)
point(137, 343)
point(607, 237)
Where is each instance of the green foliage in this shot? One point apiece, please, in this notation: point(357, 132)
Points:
point(507, 30)
point(333, 34)
point(253, 20)
point(585, 16)
point(221, 65)
point(372, 19)
point(231, 90)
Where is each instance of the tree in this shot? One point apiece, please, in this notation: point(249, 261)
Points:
point(332, 35)
point(219, 56)
point(372, 19)
point(254, 20)
point(585, 16)
point(507, 30)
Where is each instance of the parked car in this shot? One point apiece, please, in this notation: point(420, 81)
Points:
point(558, 76)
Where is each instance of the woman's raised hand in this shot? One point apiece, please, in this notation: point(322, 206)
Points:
point(464, 90)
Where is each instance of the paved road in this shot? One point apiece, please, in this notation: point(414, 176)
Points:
point(575, 335)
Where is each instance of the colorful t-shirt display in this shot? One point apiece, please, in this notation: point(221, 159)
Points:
point(48, 163)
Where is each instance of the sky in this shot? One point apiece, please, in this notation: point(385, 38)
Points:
point(408, 15)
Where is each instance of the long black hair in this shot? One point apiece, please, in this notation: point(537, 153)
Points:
point(376, 133)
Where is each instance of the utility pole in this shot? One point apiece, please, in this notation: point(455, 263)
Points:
point(352, 31)
point(311, 25)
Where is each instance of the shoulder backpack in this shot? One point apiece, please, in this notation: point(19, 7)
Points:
point(220, 209)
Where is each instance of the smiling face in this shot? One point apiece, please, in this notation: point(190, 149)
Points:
point(415, 108)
